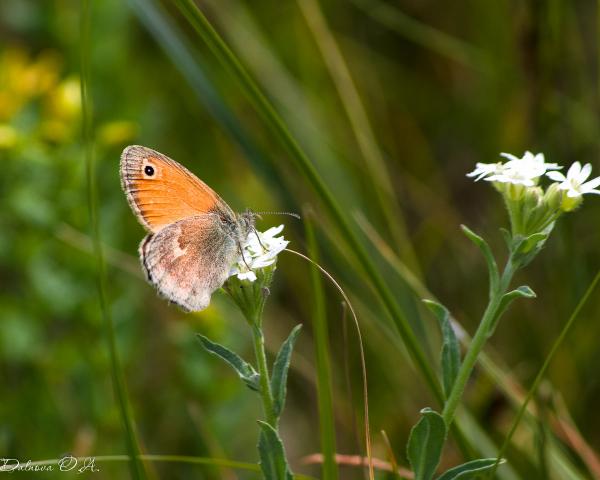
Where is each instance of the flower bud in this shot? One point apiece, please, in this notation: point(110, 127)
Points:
point(570, 203)
point(553, 197)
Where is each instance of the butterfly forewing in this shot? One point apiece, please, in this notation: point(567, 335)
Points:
point(161, 191)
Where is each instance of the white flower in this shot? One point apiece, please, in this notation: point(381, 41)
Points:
point(575, 181)
point(259, 251)
point(518, 171)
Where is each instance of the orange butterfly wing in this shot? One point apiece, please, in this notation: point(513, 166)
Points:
point(161, 191)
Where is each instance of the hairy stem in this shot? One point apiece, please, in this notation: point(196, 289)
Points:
point(481, 336)
point(265, 381)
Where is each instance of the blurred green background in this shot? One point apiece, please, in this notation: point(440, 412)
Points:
point(394, 102)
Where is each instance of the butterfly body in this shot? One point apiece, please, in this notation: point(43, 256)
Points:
point(194, 236)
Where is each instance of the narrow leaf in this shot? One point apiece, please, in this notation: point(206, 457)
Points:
point(533, 241)
point(272, 454)
point(242, 368)
point(425, 444)
point(450, 349)
point(523, 291)
point(280, 370)
point(469, 470)
point(494, 276)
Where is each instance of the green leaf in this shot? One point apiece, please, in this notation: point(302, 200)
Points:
point(523, 291)
point(272, 454)
point(494, 276)
point(280, 370)
point(533, 241)
point(246, 371)
point(469, 470)
point(425, 444)
point(450, 349)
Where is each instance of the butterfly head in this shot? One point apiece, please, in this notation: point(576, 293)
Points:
point(246, 223)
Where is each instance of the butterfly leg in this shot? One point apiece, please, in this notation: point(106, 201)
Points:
point(241, 250)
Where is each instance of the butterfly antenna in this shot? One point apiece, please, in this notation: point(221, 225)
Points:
point(291, 214)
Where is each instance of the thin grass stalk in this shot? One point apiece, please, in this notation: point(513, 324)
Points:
point(216, 462)
point(203, 27)
point(324, 391)
point(361, 126)
point(540, 375)
point(118, 380)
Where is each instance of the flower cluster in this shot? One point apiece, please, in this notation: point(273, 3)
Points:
point(251, 276)
point(530, 168)
point(533, 209)
point(259, 251)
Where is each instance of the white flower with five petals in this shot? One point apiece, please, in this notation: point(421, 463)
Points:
point(259, 251)
point(575, 182)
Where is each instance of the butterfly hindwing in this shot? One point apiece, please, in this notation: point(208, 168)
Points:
point(188, 260)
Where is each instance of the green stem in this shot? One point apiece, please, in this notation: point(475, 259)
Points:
point(481, 336)
point(265, 381)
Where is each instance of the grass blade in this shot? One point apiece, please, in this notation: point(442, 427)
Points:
point(264, 107)
point(424, 35)
point(361, 126)
point(178, 49)
point(542, 371)
point(118, 378)
point(324, 391)
point(216, 462)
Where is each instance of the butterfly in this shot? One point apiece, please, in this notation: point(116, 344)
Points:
point(193, 238)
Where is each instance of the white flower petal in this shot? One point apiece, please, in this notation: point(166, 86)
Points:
point(591, 184)
point(585, 173)
point(556, 176)
point(574, 170)
point(509, 156)
point(249, 275)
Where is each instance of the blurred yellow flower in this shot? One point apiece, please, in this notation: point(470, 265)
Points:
point(8, 136)
point(22, 79)
point(64, 101)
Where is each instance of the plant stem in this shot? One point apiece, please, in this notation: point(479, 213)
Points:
point(265, 381)
point(481, 336)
